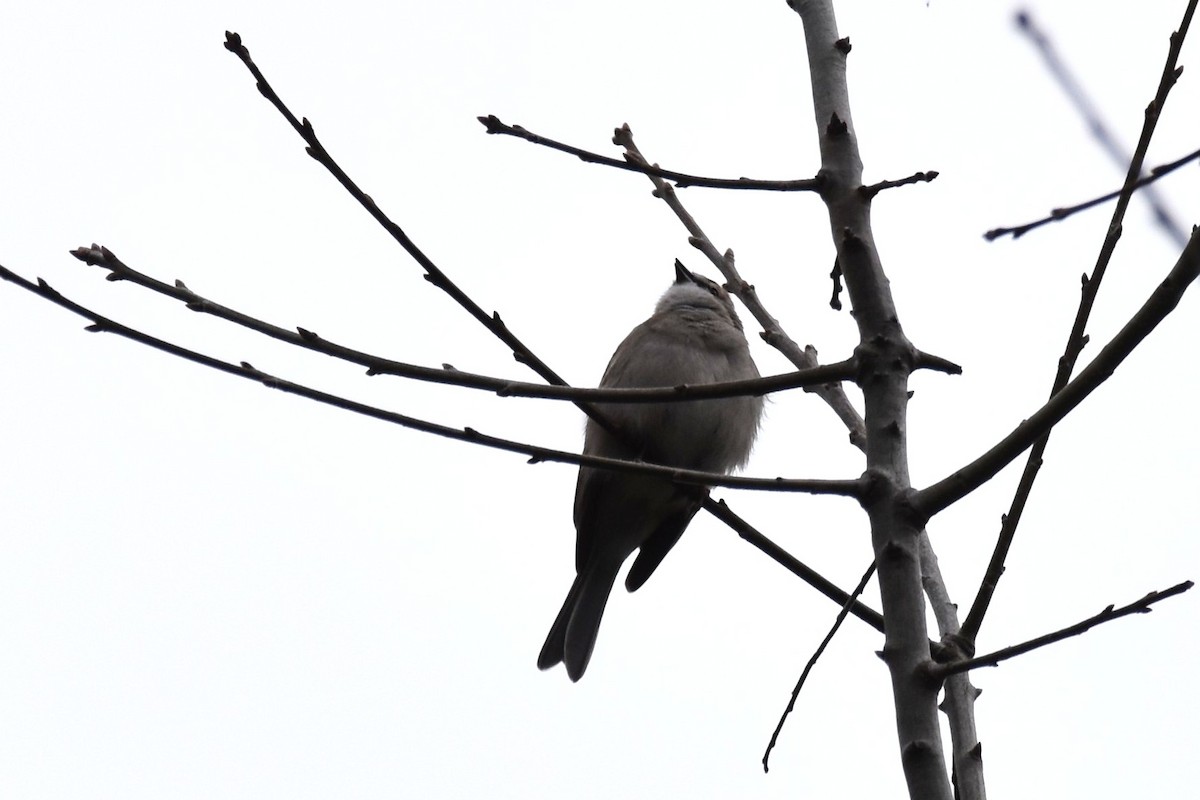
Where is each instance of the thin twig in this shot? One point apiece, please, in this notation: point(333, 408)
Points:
point(681, 180)
point(812, 662)
point(798, 568)
point(97, 255)
point(100, 323)
point(869, 192)
point(433, 274)
point(1142, 606)
point(1095, 123)
point(1142, 323)
point(935, 363)
point(773, 333)
point(835, 277)
point(1059, 214)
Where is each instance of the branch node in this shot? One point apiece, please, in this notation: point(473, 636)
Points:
point(835, 302)
point(893, 552)
point(836, 126)
point(918, 750)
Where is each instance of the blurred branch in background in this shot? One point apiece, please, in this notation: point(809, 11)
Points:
point(1095, 122)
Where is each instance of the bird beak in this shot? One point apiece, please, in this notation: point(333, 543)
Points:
point(682, 274)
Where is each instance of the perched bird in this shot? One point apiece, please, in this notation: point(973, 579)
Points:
point(693, 337)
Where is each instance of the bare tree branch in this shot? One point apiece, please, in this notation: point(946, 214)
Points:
point(869, 192)
point(97, 255)
point(810, 576)
point(850, 488)
point(929, 361)
point(433, 274)
point(1167, 294)
point(1059, 214)
point(1109, 614)
point(682, 180)
point(812, 662)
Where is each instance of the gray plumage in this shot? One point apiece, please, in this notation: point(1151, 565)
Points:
point(693, 337)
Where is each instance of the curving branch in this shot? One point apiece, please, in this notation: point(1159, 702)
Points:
point(1142, 606)
point(97, 255)
point(1095, 123)
point(101, 324)
point(721, 511)
point(812, 662)
point(1059, 214)
point(433, 274)
point(682, 180)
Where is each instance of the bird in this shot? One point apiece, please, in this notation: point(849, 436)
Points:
point(693, 337)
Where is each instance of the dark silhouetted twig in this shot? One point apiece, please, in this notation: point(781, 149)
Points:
point(810, 576)
point(1058, 214)
point(869, 192)
point(97, 255)
point(812, 662)
point(1142, 606)
point(100, 323)
point(680, 179)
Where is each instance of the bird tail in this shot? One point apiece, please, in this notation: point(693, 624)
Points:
point(573, 634)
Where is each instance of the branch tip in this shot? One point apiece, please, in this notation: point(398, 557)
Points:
point(233, 43)
point(491, 123)
point(936, 363)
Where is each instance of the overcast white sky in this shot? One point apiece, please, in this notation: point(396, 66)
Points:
point(209, 589)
